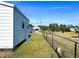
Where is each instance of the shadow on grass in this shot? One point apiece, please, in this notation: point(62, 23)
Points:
point(75, 36)
point(30, 35)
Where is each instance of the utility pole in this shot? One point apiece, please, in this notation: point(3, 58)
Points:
point(40, 22)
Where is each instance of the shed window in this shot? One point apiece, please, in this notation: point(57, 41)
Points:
point(23, 25)
point(27, 26)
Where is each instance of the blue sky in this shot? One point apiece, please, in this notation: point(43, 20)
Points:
point(45, 12)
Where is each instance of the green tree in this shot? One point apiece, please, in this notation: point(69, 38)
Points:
point(44, 28)
point(62, 28)
point(54, 27)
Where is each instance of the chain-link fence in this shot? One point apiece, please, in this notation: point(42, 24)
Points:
point(64, 47)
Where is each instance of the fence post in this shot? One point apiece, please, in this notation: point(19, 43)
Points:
point(46, 35)
point(78, 34)
point(43, 33)
point(52, 39)
point(75, 50)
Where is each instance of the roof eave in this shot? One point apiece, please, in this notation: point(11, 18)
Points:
point(7, 4)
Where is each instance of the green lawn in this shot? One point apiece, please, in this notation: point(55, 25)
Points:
point(71, 35)
point(37, 47)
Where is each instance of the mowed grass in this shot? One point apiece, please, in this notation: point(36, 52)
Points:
point(37, 47)
point(70, 35)
point(65, 45)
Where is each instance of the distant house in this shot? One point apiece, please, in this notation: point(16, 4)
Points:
point(30, 28)
point(13, 26)
point(36, 29)
point(75, 29)
point(72, 29)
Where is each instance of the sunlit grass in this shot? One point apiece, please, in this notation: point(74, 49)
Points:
point(37, 47)
point(70, 35)
point(64, 44)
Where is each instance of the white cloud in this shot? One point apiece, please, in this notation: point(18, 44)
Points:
point(58, 7)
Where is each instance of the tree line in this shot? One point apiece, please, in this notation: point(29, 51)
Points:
point(61, 27)
point(57, 27)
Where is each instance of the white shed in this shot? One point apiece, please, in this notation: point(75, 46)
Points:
point(13, 26)
point(72, 29)
point(36, 29)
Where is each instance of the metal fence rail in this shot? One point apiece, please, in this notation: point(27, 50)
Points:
point(64, 47)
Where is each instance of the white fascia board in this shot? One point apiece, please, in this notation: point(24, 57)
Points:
point(7, 4)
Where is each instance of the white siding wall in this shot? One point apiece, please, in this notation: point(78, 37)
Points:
point(6, 27)
point(19, 33)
